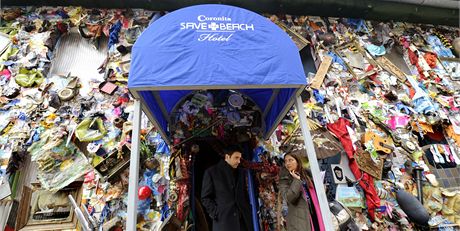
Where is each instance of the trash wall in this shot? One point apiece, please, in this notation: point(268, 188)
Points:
point(382, 107)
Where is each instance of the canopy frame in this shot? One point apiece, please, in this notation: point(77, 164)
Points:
point(276, 89)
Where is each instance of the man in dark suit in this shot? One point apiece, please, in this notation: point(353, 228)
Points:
point(224, 194)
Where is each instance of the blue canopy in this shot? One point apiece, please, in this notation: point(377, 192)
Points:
point(215, 47)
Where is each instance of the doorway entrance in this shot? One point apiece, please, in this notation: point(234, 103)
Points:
point(207, 156)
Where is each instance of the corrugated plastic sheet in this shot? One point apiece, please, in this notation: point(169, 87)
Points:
point(78, 56)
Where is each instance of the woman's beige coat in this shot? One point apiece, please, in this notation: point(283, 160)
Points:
point(298, 218)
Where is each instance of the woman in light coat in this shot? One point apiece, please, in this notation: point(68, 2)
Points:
point(293, 186)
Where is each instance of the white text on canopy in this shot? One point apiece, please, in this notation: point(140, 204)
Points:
point(215, 29)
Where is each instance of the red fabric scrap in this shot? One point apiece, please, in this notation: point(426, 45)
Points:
point(339, 129)
point(413, 58)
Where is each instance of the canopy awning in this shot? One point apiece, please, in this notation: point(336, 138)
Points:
point(215, 47)
point(209, 47)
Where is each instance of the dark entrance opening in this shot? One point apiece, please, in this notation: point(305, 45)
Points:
point(209, 155)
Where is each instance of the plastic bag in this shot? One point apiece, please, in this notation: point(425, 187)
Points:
point(90, 129)
point(27, 78)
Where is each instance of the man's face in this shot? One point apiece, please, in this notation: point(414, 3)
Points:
point(233, 159)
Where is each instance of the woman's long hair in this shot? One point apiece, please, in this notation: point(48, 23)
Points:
point(304, 176)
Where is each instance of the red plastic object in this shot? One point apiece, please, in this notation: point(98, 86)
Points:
point(144, 192)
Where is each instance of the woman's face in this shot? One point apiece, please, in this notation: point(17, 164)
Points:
point(290, 163)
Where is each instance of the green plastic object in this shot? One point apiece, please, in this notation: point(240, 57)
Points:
point(90, 129)
point(27, 78)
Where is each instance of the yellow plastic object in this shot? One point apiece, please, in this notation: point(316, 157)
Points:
point(64, 165)
point(27, 78)
point(85, 131)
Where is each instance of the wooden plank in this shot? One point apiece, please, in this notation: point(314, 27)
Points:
point(321, 73)
point(390, 67)
point(298, 39)
point(24, 208)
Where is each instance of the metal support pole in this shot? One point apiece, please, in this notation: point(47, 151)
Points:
point(252, 201)
point(418, 171)
point(134, 169)
point(323, 203)
point(85, 225)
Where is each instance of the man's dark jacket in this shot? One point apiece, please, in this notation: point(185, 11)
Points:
point(225, 198)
